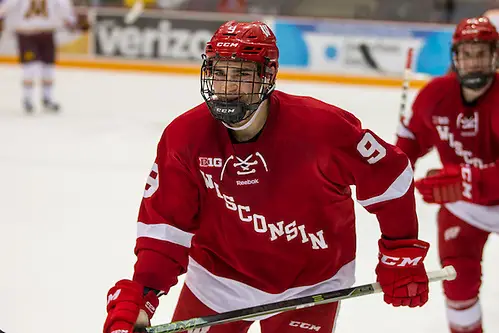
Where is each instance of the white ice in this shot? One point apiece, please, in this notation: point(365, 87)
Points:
point(70, 187)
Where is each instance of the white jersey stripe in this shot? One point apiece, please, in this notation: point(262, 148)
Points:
point(396, 190)
point(225, 294)
point(404, 132)
point(164, 232)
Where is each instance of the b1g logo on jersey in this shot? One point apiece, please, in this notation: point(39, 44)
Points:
point(210, 162)
point(440, 120)
point(467, 124)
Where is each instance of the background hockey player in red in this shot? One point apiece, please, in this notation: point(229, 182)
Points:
point(250, 195)
point(458, 114)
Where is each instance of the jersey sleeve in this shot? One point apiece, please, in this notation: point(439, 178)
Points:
point(413, 133)
point(167, 218)
point(66, 11)
point(486, 178)
point(6, 6)
point(382, 175)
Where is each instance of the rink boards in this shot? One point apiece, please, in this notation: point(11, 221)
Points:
point(334, 51)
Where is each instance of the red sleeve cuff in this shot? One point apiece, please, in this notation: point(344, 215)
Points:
point(159, 271)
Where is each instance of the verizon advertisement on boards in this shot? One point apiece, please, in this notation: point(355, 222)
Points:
point(152, 38)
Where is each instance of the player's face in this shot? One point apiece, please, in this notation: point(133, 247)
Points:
point(236, 80)
point(473, 57)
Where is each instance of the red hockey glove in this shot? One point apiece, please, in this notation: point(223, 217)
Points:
point(125, 301)
point(401, 272)
point(441, 186)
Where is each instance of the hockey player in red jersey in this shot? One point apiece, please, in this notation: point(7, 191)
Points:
point(250, 196)
point(458, 114)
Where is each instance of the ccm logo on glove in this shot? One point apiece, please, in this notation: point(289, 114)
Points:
point(400, 262)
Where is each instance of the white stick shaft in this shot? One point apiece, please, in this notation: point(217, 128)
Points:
point(405, 85)
point(134, 12)
point(446, 273)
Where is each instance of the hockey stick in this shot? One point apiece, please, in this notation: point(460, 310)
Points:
point(405, 84)
point(134, 12)
point(447, 273)
point(367, 55)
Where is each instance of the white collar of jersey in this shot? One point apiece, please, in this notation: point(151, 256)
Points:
point(248, 124)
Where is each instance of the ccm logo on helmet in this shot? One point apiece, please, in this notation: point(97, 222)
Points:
point(226, 110)
point(227, 44)
point(469, 31)
point(401, 262)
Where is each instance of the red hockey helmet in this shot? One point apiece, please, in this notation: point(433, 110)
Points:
point(247, 41)
point(233, 46)
point(477, 30)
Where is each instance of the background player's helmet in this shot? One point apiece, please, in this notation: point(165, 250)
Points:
point(475, 30)
point(239, 43)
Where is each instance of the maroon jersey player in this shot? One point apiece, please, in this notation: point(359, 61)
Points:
point(35, 23)
point(250, 196)
point(458, 114)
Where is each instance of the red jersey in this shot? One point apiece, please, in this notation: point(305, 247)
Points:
point(462, 133)
point(270, 219)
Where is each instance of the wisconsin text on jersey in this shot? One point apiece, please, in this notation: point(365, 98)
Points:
point(244, 167)
point(468, 126)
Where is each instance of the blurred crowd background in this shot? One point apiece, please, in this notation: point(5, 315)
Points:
point(433, 11)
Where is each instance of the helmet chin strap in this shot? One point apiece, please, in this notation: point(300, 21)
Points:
point(248, 124)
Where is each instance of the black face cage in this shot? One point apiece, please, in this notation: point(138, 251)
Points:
point(476, 79)
point(231, 106)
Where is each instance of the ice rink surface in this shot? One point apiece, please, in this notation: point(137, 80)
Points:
point(71, 184)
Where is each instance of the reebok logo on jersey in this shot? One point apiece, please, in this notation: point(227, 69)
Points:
point(244, 167)
point(247, 182)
